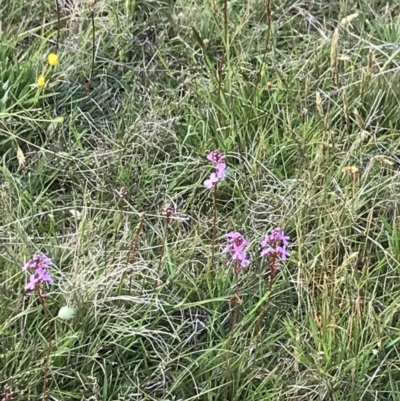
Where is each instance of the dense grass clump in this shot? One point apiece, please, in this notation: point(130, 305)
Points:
point(108, 114)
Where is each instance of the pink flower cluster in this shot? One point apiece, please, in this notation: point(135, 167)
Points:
point(218, 159)
point(274, 245)
point(39, 263)
point(236, 247)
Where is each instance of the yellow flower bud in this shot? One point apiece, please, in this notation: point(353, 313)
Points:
point(41, 81)
point(52, 58)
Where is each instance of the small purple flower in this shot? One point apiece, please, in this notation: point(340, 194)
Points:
point(31, 284)
point(39, 264)
point(276, 235)
point(274, 245)
point(244, 262)
point(236, 245)
point(220, 170)
point(211, 181)
point(27, 266)
point(282, 252)
point(217, 158)
point(237, 239)
point(44, 276)
point(267, 250)
point(38, 260)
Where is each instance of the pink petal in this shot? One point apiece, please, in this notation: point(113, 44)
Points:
point(227, 248)
point(245, 263)
point(232, 235)
point(208, 184)
point(211, 181)
point(221, 170)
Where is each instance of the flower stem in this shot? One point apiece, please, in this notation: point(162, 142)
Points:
point(162, 248)
point(130, 258)
point(234, 321)
point(261, 314)
point(258, 321)
point(49, 340)
point(220, 77)
point(226, 24)
point(117, 227)
point(43, 19)
point(273, 266)
point(213, 6)
point(58, 25)
point(271, 277)
point(93, 41)
point(214, 227)
point(258, 77)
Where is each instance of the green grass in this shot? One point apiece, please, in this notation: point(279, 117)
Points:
point(157, 102)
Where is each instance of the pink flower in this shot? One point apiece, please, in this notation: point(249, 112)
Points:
point(39, 264)
point(44, 276)
point(237, 239)
point(220, 170)
point(217, 158)
point(211, 181)
point(274, 245)
point(267, 250)
point(276, 235)
point(236, 245)
point(31, 284)
point(38, 260)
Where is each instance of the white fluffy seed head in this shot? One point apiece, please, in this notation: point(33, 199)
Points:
point(66, 313)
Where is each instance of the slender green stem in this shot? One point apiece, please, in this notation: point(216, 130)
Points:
point(220, 75)
point(117, 227)
point(163, 246)
point(130, 258)
point(43, 19)
point(269, 21)
point(58, 25)
point(93, 41)
point(213, 6)
point(258, 321)
point(226, 23)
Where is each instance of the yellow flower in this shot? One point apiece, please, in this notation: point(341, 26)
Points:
point(52, 58)
point(41, 81)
